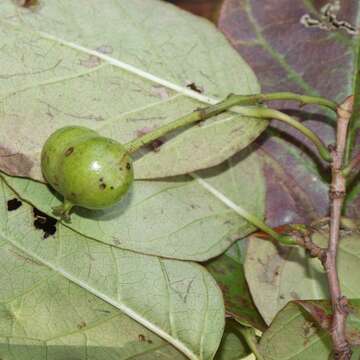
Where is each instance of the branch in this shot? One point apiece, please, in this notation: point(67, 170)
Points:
point(342, 349)
point(255, 112)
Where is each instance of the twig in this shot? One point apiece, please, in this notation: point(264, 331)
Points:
point(250, 338)
point(342, 349)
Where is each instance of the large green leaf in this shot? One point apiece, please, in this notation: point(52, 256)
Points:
point(44, 316)
point(296, 334)
point(112, 66)
point(178, 301)
point(179, 218)
point(277, 275)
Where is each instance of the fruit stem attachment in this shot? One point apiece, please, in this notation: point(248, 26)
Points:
point(63, 210)
point(257, 112)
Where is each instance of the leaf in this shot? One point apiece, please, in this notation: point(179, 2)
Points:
point(205, 8)
point(116, 69)
point(44, 316)
point(177, 218)
point(228, 271)
point(233, 345)
point(174, 299)
point(277, 275)
point(287, 56)
point(295, 334)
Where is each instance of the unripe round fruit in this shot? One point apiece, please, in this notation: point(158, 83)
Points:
point(89, 170)
point(53, 150)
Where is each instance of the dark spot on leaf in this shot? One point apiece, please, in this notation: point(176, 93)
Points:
point(102, 186)
point(81, 325)
point(141, 338)
point(101, 179)
point(13, 204)
point(194, 87)
point(128, 166)
point(120, 168)
point(156, 144)
point(111, 187)
point(44, 222)
point(149, 341)
point(69, 151)
point(27, 3)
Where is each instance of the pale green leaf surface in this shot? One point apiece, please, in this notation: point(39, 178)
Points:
point(293, 336)
point(44, 316)
point(296, 335)
point(114, 67)
point(177, 300)
point(277, 275)
point(178, 218)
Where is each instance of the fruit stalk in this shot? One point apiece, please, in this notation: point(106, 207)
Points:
point(251, 112)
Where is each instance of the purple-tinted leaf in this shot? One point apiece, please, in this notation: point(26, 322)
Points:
point(286, 55)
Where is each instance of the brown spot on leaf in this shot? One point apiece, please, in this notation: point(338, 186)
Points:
point(27, 3)
point(81, 325)
point(91, 61)
point(102, 186)
point(16, 164)
point(13, 204)
point(128, 166)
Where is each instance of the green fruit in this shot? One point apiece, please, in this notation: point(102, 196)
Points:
point(89, 170)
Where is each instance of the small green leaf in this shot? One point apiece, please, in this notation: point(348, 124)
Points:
point(277, 275)
point(233, 345)
point(295, 334)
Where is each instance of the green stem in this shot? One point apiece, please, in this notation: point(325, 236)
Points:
point(278, 115)
point(250, 338)
point(354, 125)
point(63, 210)
point(353, 165)
point(236, 100)
point(302, 99)
point(282, 239)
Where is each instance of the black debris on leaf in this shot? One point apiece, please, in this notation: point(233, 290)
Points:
point(194, 87)
point(44, 222)
point(13, 204)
